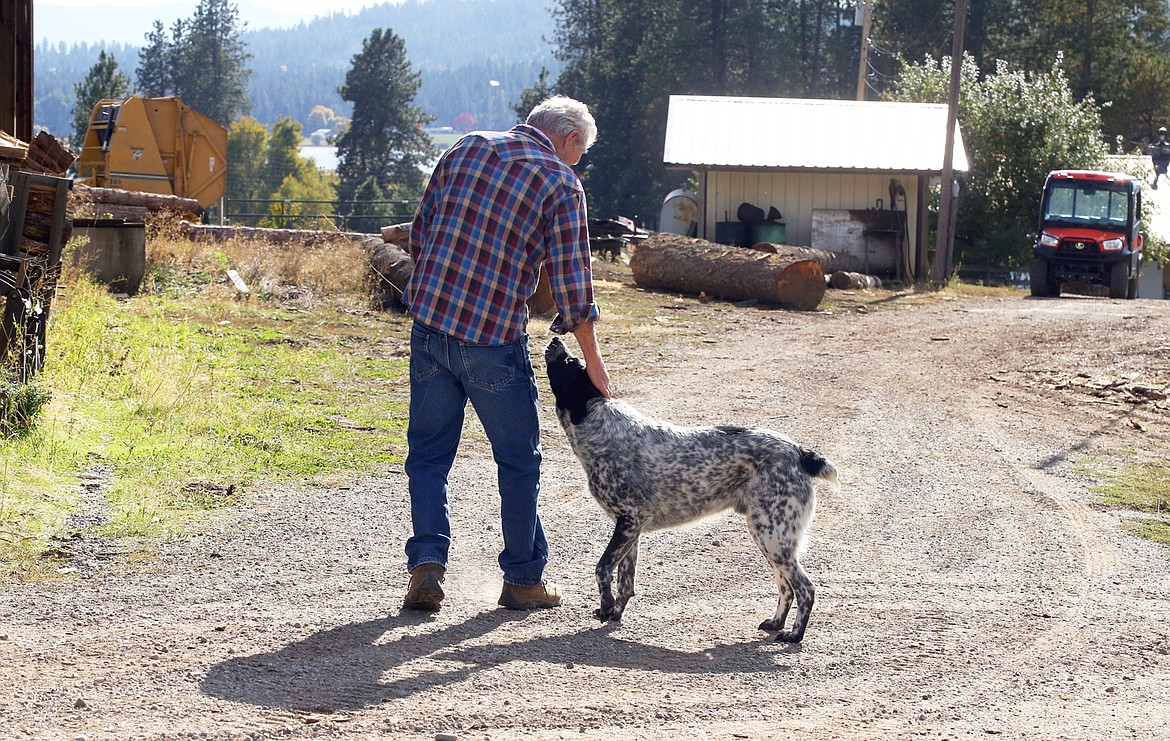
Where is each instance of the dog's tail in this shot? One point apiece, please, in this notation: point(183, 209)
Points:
point(818, 466)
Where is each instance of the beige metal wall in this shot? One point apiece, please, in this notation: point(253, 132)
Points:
point(797, 195)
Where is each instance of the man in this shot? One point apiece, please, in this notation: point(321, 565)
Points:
point(498, 206)
point(1160, 154)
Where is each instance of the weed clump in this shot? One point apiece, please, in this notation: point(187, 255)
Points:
point(20, 406)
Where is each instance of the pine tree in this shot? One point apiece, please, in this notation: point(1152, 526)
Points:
point(154, 64)
point(212, 60)
point(385, 139)
point(204, 61)
point(103, 81)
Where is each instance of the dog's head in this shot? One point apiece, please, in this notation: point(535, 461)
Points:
point(570, 383)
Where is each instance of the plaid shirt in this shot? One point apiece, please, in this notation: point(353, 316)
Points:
point(498, 205)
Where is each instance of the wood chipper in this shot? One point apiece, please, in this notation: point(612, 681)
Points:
point(155, 145)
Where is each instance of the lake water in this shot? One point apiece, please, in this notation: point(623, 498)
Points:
point(325, 157)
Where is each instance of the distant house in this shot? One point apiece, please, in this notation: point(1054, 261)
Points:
point(829, 167)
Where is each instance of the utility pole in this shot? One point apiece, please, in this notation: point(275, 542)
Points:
point(944, 244)
point(863, 66)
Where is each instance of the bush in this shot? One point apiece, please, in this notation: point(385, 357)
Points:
point(1016, 127)
point(20, 405)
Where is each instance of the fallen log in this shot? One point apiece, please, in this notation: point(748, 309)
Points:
point(392, 267)
point(396, 233)
point(218, 233)
point(690, 265)
point(830, 262)
point(152, 201)
point(128, 214)
point(844, 280)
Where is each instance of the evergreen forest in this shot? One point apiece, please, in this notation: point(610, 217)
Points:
point(458, 46)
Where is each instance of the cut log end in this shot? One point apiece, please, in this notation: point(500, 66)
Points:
point(801, 286)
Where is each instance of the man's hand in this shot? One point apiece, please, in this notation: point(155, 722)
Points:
point(594, 365)
point(599, 376)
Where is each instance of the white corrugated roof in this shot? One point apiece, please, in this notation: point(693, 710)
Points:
point(793, 133)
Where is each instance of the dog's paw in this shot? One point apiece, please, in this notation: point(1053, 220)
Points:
point(772, 624)
point(607, 616)
point(788, 636)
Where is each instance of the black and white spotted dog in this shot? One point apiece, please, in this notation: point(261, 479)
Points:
point(652, 475)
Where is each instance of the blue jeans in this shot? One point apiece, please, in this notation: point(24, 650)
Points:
point(498, 380)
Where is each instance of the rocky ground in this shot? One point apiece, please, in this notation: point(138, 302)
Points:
point(967, 584)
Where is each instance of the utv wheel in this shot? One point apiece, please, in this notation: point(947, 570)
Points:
point(1041, 283)
point(1119, 280)
point(1132, 291)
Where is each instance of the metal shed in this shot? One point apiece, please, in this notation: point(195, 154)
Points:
point(826, 165)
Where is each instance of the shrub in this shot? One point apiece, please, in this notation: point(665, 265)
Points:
point(20, 405)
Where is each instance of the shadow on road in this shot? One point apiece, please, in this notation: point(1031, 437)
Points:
point(364, 664)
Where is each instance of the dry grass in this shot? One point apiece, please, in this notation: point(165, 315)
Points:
point(330, 269)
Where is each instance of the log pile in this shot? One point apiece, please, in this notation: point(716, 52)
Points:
point(689, 265)
point(47, 155)
point(126, 205)
point(34, 227)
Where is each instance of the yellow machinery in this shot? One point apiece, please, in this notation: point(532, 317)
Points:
point(155, 145)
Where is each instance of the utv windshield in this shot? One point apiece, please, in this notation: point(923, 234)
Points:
point(1086, 203)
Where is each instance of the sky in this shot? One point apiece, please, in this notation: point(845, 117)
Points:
point(311, 7)
point(126, 21)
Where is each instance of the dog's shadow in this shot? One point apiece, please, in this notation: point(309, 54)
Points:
point(367, 663)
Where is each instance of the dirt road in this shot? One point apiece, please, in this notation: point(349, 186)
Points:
point(967, 586)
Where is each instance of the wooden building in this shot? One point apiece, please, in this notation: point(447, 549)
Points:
point(847, 176)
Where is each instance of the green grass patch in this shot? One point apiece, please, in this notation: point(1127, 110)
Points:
point(1148, 528)
point(187, 401)
point(1144, 488)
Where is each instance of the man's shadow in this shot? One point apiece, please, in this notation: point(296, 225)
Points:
point(365, 664)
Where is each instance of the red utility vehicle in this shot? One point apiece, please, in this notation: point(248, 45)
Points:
point(1090, 233)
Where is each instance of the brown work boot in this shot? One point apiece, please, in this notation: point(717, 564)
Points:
point(425, 592)
point(536, 597)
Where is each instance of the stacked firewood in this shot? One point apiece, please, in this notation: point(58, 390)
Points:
point(33, 230)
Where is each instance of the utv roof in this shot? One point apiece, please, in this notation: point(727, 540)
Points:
point(1118, 177)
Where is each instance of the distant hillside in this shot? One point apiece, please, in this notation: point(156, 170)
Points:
point(458, 46)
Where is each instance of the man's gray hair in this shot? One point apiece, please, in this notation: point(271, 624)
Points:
point(560, 115)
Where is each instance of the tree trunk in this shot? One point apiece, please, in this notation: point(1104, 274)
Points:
point(392, 267)
point(853, 281)
point(396, 233)
point(84, 194)
point(830, 262)
point(690, 265)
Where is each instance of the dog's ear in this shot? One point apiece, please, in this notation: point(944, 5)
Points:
point(578, 403)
